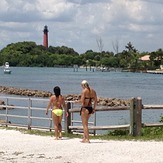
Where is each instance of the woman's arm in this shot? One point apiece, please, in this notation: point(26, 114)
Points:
point(65, 106)
point(82, 100)
point(94, 100)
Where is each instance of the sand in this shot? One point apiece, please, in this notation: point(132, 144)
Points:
point(16, 147)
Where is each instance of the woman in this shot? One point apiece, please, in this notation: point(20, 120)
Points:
point(88, 96)
point(57, 102)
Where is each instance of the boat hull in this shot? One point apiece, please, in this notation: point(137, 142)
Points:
point(7, 71)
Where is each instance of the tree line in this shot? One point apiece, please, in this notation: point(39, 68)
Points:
point(28, 54)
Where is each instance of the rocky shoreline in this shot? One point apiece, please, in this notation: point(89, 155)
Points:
point(24, 92)
point(71, 97)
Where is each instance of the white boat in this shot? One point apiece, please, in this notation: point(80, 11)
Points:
point(7, 68)
point(103, 69)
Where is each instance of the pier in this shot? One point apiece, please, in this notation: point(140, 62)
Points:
point(155, 71)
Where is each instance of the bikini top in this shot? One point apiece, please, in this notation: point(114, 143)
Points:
point(57, 103)
point(90, 100)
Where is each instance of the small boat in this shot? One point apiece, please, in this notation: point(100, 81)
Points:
point(103, 69)
point(7, 68)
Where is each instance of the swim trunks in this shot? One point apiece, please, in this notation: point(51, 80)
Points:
point(58, 112)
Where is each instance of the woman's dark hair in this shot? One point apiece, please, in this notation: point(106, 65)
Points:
point(57, 91)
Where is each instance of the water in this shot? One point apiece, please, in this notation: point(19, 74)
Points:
point(107, 84)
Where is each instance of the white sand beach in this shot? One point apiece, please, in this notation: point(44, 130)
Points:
point(16, 147)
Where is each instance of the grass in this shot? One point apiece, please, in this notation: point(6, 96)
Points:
point(148, 134)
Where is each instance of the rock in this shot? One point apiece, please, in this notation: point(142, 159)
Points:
point(4, 122)
point(2, 103)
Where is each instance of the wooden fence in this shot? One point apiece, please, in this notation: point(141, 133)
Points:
point(131, 127)
point(134, 127)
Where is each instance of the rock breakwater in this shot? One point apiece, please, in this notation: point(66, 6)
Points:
point(24, 92)
point(71, 97)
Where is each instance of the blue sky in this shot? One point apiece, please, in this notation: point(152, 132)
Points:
point(78, 24)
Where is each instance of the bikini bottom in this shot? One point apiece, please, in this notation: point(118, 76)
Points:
point(89, 108)
point(58, 112)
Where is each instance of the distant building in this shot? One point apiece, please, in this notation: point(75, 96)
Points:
point(45, 37)
point(145, 58)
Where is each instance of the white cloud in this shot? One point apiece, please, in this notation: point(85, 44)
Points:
point(78, 23)
point(58, 10)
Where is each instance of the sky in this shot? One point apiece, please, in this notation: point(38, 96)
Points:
point(80, 24)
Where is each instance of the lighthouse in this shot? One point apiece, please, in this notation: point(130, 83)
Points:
point(45, 37)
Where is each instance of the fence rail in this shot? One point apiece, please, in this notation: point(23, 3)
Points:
point(92, 125)
point(28, 108)
point(135, 111)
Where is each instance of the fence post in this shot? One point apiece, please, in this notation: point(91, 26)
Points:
point(132, 103)
point(94, 131)
point(135, 116)
point(67, 119)
point(138, 117)
point(50, 122)
point(7, 112)
point(29, 113)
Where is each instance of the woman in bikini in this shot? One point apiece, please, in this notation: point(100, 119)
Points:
point(88, 96)
point(57, 102)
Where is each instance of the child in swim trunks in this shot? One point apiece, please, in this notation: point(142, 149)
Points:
point(57, 103)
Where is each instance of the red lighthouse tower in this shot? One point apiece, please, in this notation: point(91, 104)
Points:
point(45, 41)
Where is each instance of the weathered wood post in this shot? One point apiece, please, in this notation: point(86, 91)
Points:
point(75, 68)
point(29, 113)
point(86, 67)
point(131, 116)
point(7, 112)
point(50, 122)
point(135, 116)
point(138, 116)
point(94, 131)
point(67, 119)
